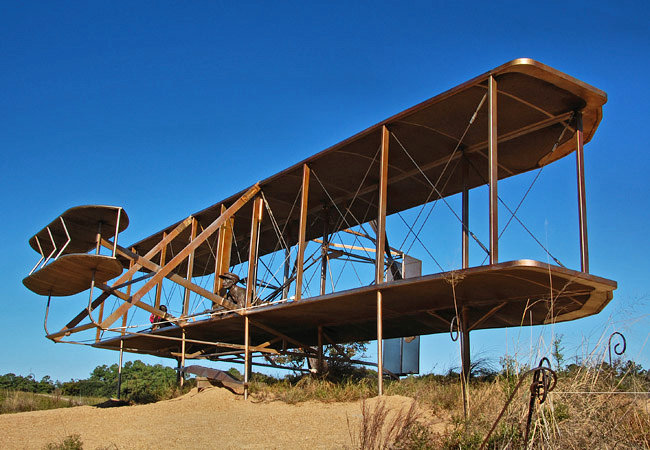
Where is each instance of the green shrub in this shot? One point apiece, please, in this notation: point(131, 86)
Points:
point(71, 442)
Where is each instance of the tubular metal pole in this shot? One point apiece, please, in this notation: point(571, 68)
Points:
point(320, 350)
point(247, 356)
point(380, 341)
point(119, 370)
point(182, 361)
point(287, 269)
point(381, 242)
point(466, 363)
point(582, 197)
point(324, 249)
point(465, 213)
point(493, 168)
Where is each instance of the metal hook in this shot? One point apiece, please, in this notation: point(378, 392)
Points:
point(616, 349)
point(452, 330)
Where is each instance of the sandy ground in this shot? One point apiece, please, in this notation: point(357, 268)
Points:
point(213, 418)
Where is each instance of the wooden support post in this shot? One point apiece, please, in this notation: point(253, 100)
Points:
point(252, 251)
point(493, 169)
point(98, 238)
point(381, 243)
point(128, 293)
point(465, 212)
point(582, 196)
point(190, 267)
point(163, 258)
point(125, 318)
point(304, 197)
point(247, 356)
point(224, 250)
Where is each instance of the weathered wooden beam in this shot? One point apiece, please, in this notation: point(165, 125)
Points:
point(176, 260)
point(163, 258)
point(224, 250)
point(128, 292)
point(190, 268)
point(149, 265)
point(126, 276)
point(252, 250)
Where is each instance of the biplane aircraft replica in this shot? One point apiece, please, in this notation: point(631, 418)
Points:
point(304, 259)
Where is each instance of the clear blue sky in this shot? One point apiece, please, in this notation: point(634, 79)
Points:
point(146, 104)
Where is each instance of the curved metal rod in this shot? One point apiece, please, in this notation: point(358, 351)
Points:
point(452, 330)
point(90, 303)
point(616, 349)
point(47, 313)
point(538, 388)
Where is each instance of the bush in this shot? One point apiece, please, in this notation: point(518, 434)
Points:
point(71, 442)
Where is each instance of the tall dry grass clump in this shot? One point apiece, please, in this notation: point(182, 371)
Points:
point(382, 428)
point(591, 407)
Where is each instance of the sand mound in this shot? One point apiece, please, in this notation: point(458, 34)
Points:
point(213, 418)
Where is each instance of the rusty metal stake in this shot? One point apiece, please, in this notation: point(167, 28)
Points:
point(542, 384)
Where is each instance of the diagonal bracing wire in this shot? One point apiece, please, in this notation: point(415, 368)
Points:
point(513, 214)
point(339, 210)
point(433, 205)
point(441, 197)
point(458, 144)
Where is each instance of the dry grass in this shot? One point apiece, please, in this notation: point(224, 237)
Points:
point(17, 401)
point(567, 420)
point(383, 428)
point(312, 389)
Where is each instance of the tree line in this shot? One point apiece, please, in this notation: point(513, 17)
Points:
point(141, 383)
